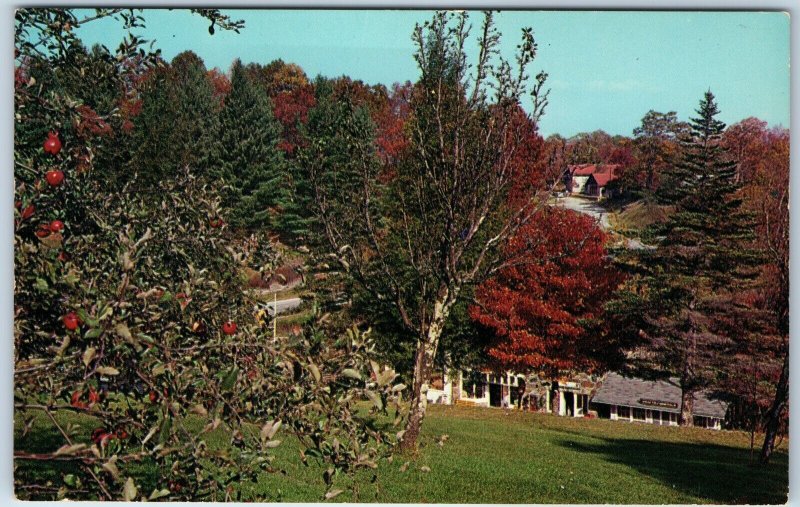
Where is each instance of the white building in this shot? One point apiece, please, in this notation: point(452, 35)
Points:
point(613, 397)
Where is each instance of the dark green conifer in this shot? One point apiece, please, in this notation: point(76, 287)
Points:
point(249, 160)
point(685, 286)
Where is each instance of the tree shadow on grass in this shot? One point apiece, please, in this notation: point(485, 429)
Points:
point(39, 479)
point(719, 474)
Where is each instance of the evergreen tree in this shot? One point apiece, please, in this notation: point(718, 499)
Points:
point(339, 148)
point(249, 160)
point(687, 284)
point(178, 124)
point(196, 124)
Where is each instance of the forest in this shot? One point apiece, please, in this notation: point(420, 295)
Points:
point(155, 199)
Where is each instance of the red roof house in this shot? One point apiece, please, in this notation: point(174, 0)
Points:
point(591, 179)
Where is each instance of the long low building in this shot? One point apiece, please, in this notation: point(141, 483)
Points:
point(612, 396)
point(652, 401)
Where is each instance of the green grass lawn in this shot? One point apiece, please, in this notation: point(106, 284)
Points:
point(499, 456)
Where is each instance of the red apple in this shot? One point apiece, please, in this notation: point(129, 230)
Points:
point(71, 321)
point(56, 226)
point(54, 178)
point(94, 396)
point(216, 223)
point(153, 396)
point(229, 327)
point(52, 144)
point(99, 435)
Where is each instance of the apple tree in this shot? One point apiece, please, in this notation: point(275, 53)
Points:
point(134, 341)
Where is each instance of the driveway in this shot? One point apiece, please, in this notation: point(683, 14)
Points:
point(591, 208)
point(586, 206)
point(284, 305)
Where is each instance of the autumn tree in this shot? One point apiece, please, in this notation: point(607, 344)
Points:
point(656, 145)
point(220, 85)
point(555, 284)
point(291, 110)
point(277, 76)
point(701, 262)
point(768, 194)
point(757, 378)
point(746, 142)
point(417, 241)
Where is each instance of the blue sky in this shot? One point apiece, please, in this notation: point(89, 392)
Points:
point(607, 69)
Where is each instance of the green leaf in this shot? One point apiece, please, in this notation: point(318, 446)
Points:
point(88, 355)
point(333, 493)
point(93, 332)
point(123, 332)
point(156, 494)
point(129, 491)
point(351, 373)
point(375, 398)
point(107, 370)
point(229, 380)
point(314, 371)
point(166, 427)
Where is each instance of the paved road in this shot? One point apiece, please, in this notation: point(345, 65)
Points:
point(284, 305)
point(586, 206)
point(590, 207)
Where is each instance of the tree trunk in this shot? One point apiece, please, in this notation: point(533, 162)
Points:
point(423, 363)
point(776, 412)
point(687, 407)
point(419, 396)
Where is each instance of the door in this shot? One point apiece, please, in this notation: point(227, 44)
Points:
point(495, 395)
point(569, 401)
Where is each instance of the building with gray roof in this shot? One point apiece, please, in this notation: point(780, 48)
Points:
point(652, 401)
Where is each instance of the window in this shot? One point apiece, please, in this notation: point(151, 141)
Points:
point(623, 412)
point(638, 414)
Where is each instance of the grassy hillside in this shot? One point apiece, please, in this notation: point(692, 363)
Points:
point(499, 456)
point(639, 215)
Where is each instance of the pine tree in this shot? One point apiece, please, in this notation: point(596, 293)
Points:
point(178, 124)
point(688, 283)
point(339, 149)
point(249, 160)
point(196, 125)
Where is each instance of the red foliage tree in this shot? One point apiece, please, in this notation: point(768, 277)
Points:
point(556, 279)
point(291, 110)
point(763, 164)
point(220, 83)
point(390, 121)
